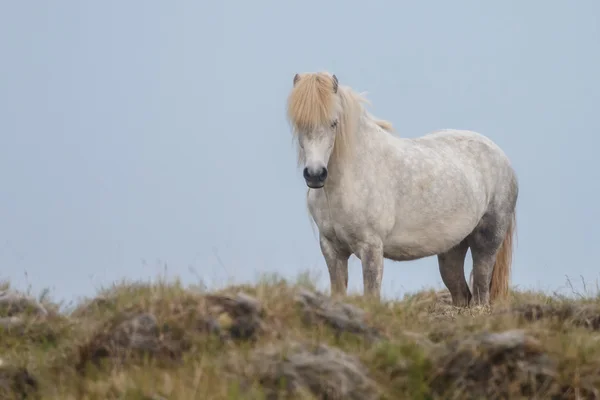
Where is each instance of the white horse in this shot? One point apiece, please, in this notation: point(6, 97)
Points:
point(379, 196)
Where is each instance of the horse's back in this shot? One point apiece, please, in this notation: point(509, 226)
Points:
point(479, 158)
point(485, 160)
point(466, 145)
point(459, 136)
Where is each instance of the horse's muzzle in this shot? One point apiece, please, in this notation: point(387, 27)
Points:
point(315, 179)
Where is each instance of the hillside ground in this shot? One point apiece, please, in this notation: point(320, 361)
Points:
point(278, 339)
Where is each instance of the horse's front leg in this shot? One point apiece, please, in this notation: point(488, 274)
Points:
point(371, 257)
point(337, 264)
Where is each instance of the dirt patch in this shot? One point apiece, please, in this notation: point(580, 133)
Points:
point(17, 383)
point(18, 311)
point(24, 319)
point(94, 306)
point(12, 323)
point(46, 331)
point(237, 317)
point(342, 317)
point(17, 304)
point(305, 370)
point(135, 335)
point(587, 316)
point(126, 338)
point(503, 365)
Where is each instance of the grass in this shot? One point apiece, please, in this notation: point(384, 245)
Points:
point(216, 346)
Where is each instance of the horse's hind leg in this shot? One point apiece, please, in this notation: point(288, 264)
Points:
point(485, 241)
point(452, 269)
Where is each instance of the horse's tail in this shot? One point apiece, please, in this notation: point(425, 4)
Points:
point(501, 274)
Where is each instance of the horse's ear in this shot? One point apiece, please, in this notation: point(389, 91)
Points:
point(296, 79)
point(335, 84)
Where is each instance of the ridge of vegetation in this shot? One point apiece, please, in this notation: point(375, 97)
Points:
point(278, 339)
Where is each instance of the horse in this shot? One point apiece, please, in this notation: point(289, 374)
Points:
point(381, 196)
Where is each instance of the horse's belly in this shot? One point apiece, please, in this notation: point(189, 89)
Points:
point(406, 250)
point(428, 239)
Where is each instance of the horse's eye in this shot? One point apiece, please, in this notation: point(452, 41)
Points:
point(334, 124)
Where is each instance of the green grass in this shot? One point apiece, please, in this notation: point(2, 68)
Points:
point(422, 353)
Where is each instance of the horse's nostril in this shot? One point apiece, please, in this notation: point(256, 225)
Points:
point(306, 174)
point(323, 174)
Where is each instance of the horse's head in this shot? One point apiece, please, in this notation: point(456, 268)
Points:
point(314, 109)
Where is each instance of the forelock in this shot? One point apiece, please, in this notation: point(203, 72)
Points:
point(312, 101)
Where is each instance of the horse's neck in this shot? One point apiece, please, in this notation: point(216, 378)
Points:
point(365, 140)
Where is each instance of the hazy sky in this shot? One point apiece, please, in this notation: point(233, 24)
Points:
point(135, 135)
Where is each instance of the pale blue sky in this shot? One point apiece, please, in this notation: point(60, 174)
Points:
point(134, 134)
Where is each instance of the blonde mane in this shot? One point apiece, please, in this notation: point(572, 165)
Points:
point(313, 101)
